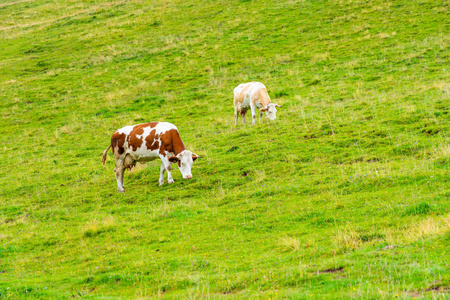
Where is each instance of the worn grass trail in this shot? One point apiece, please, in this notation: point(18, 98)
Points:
point(345, 195)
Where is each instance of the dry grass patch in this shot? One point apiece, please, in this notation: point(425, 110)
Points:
point(3, 5)
point(446, 221)
point(96, 227)
point(318, 57)
point(69, 129)
point(282, 59)
point(260, 175)
point(119, 97)
point(347, 238)
point(351, 64)
point(303, 102)
point(443, 86)
point(442, 151)
point(290, 244)
point(383, 35)
point(428, 227)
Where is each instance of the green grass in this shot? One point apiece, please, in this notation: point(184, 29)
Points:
point(344, 195)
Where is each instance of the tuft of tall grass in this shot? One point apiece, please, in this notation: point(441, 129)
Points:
point(97, 227)
point(346, 238)
point(291, 244)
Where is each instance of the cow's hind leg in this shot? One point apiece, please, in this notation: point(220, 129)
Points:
point(119, 177)
point(161, 174)
point(260, 117)
point(119, 170)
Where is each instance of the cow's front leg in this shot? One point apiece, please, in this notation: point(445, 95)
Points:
point(161, 174)
point(260, 117)
point(253, 114)
point(169, 174)
point(236, 115)
point(166, 163)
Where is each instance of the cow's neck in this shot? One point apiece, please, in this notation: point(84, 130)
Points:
point(178, 149)
point(178, 145)
point(265, 100)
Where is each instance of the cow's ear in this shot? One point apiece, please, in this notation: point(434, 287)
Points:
point(194, 156)
point(276, 105)
point(263, 109)
point(173, 159)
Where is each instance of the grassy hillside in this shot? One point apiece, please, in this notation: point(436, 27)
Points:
point(344, 195)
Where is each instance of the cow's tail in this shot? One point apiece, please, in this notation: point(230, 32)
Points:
point(105, 153)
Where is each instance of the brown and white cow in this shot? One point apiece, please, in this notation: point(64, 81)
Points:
point(146, 142)
point(253, 95)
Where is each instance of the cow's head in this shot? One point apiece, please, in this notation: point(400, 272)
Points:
point(271, 110)
point(185, 159)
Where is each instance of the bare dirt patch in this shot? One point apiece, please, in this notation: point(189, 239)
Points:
point(332, 270)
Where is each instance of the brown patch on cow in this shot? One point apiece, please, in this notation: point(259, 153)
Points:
point(260, 96)
point(173, 159)
point(134, 141)
point(117, 142)
point(150, 124)
point(155, 146)
point(246, 88)
point(263, 97)
point(239, 98)
point(150, 140)
point(171, 142)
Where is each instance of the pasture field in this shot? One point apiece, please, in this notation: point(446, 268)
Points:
point(344, 195)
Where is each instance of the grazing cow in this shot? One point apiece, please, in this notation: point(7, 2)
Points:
point(146, 142)
point(253, 95)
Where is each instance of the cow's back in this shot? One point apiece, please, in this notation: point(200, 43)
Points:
point(144, 141)
point(249, 92)
point(238, 89)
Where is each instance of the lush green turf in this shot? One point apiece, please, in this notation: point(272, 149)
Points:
point(345, 195)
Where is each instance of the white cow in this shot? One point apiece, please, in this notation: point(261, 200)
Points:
point(253, 95)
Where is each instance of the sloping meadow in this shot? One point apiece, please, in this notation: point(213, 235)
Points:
point(344, 195)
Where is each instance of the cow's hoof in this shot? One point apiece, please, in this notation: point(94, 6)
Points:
point(161, 183)
point(121, 191)
point(170, 181)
